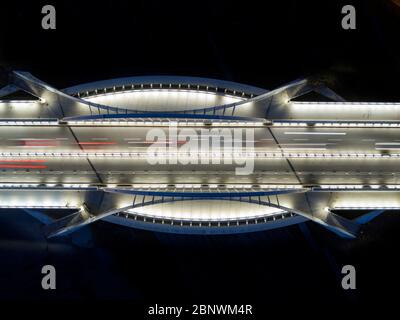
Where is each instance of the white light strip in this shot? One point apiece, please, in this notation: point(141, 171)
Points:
point(162, 90)
point(388, 143)
point(366, 208)
point(277, 123)
point(337, 123)
point(20, 101)
point(302, 148)
point(199, 219)
point(255, 155)
point(316, 133)
point(358, 187)
point(284, 145)
point(36, 207)
point(44, 186)
point(345, 104)
point(341, 186)
point(209, 186)
point(28, 123)
point(159, 123)
point(177, 187)
point(214, 122)
point(148, 186)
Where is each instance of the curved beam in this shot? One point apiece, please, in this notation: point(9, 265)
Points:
point(57, 98)
point(339, 225)
point(208, 195)
point(68, 105)
point(165, 79)
point(201, 230)
point(163, 115)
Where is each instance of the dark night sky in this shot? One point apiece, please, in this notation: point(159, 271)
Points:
point(264, 45)
point(245, 42)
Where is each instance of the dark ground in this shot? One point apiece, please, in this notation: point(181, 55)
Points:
point(266, 46)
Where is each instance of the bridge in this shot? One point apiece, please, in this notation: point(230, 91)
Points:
point(83, 151)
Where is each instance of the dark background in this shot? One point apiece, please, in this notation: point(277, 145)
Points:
point(265, 45)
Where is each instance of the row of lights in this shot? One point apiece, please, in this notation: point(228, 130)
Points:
point(167, 123)
point(194, 186)
point(152, 216)
point(28, 123)
point(21, 101)
point(345, 104)
point(366, 208)
point(261, 155)
point(206, 223)
point(144, 186)
point(211, 186)
point(160, 87)
point(46, 186)
point(197, 123)
point(158, 90)
point(337, 124)
point(202, 122)
point(35, 207)
point(358, 187)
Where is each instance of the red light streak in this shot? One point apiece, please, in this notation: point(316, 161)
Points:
point(21, 166)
